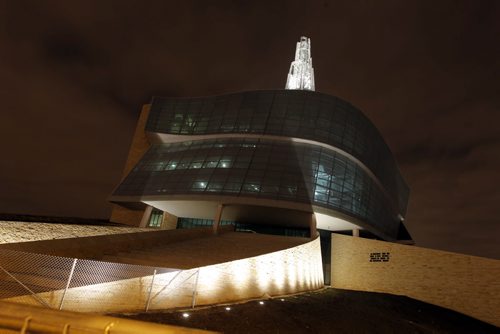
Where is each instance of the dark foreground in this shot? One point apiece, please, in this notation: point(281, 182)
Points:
point(326, 311)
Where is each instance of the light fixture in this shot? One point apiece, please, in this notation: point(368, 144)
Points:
point(228, 308)
point(261, 302)
point(185, 315)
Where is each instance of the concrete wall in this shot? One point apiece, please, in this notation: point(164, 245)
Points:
point(284, 272)
point(140, 144)
point(467, 284)
point(169, 221)
point(15, 231)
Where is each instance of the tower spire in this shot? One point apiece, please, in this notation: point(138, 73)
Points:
point(301, 75)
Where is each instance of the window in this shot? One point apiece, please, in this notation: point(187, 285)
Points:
point(199, 185)
point(156, 218)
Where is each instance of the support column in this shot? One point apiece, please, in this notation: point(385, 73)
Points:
point(218, 216)
point(146, 216)
point(355, 232)
point(312, 227)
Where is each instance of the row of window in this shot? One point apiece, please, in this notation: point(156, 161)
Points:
point(308, 115)
point(183, 223)
point(300, 172)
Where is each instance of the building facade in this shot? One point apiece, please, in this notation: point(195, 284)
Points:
point(291, 161)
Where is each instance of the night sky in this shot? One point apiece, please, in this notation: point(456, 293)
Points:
point(74, 75)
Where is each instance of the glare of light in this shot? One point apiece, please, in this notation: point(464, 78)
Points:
point(228, 309)
point(278, 273)
point(243, 280)
point(261, 302)
point(290, 270)
point(282, 299)
point(207, 276)
point(185, 315)
point(262, 270)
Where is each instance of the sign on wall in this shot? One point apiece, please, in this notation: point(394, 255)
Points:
point(380, 257)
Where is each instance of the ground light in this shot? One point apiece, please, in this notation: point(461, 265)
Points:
point(228, 308)
point(261, 302)
point(185, 315)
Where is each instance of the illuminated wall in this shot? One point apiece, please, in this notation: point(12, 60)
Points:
point(464, 283)
point(284, 272)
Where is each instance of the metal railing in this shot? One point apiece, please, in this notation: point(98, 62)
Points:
point(16, 318)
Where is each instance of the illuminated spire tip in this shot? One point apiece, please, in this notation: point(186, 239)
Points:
point(301, 75)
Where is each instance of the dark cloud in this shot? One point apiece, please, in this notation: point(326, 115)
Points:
point(75, 73)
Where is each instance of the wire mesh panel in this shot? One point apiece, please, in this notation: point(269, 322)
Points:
point(97, 286)
point(106, 286)
point(30, 275)
point(174, 289)
point(75, 284)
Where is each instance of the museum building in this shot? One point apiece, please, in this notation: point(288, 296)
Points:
point(293, 169)
point(292, 162)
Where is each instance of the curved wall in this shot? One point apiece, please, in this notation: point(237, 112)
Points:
point(285, 113)
point(268, 169)
point(295, 149)
point(119, 287)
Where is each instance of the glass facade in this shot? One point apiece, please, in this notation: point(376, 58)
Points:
point(262, 168)
point(183, 222)
point(340, 162)
point(285, 113)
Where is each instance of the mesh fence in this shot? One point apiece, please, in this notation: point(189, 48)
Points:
point(97, 286)
point(89, 285)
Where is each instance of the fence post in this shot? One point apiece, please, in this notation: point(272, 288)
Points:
point(150, 290)
point(24, 286)
point(67, 284)
point(193, 302)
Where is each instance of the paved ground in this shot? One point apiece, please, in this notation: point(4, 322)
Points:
point(326, 311)
point(15, 231)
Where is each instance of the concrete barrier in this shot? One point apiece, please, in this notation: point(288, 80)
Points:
point(464, 283)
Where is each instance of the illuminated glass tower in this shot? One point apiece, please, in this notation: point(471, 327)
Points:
point(301, 74)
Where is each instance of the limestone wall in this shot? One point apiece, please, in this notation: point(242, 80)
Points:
point(14, 231)
point(464, 283)
point(287, 271)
